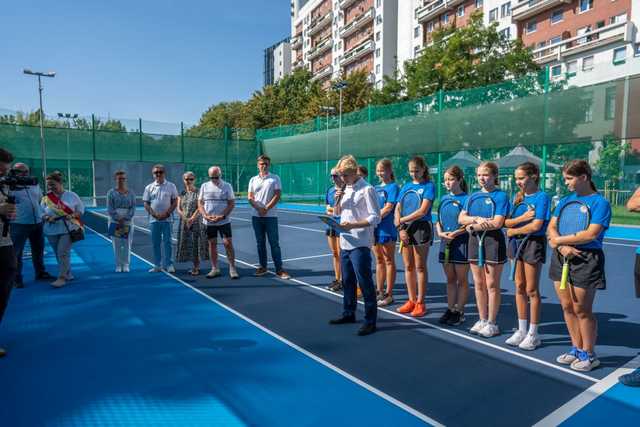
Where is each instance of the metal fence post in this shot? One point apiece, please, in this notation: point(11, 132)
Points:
point(140, 139)
point(226, 148)
point(545, 118)
point(182, 140)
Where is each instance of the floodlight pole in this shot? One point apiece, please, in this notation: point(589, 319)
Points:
point(340, 85)
point(327, 110)
point(68, 116)
point(43, 150)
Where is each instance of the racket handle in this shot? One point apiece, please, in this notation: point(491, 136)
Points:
point(565, 276)
point(480, 255)
point(400, 247)
point(513, 270)
point(446, 254)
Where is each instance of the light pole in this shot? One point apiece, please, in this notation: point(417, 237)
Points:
point(327, 110)
point(43, 150)
point(68, 116)
point(340, 86)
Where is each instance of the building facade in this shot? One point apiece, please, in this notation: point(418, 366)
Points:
point(277, 62)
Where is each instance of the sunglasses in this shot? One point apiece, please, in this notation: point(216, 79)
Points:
point(214, 177)
point(189, 179)
point(158, 172)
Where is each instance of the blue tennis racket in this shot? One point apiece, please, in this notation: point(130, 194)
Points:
point(518, 243)
point(410, 203)
point(483, 206)
point(448, 213)
point(574, 217)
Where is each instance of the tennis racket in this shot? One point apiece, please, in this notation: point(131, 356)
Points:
point(518, 242)
point(448, 213)
point(410, 203)
point(483, 206)
point(574, 217)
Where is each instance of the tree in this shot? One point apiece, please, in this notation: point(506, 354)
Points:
point(471, 56)
point(609, 162)
point(392, 91)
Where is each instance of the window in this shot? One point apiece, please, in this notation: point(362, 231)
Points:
point(619, 55)
point(586, 5)
point(378, 36)
point(430, 27)
point(461, 10)
point(637, 50)
point(505, 10)
point(493, 14)
point(618, 18)
point(554, 40)
point(556, 71)
point(445, 17)
point(610, 103)
point(587, 63)
point(557, 16)
point(416, 32)
point(379, 19)
point(378, 3)
point(378, 69)
point(479, 4)
point(378, 53)
point(506, 33)
point(531, 27)
point(541, 44)
point(415, 50)
point(572, 68)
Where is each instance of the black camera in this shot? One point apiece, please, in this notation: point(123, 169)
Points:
point(13, 181)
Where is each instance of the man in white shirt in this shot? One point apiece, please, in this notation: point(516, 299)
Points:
point(265, 190)
point(215, 203)
point(160, 200)
point(359, 213)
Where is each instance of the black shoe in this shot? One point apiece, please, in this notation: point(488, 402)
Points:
point(3, 352)
point(456, 319)
point(335, 286)
point(342, 320)
point(45, 276)
point(18, 284)
point(444, 319)
point(367, 329)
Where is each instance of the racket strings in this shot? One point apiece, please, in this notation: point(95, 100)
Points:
point(448, 217)
point(573, 219)
point(410, 203)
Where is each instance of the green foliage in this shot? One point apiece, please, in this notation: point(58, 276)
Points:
point(609, 164)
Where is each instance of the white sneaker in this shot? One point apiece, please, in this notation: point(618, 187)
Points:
point(215, 272)
point(118, 269)
point(233, 273)
point(477, 327)
point(155, 270)
point(171, 269)
point(70, 277)
point(515, 339)
point(59, 283)
point(585, 362)
point(489, 330)
point(531, 342)
point(125, 268)
point(569, 357)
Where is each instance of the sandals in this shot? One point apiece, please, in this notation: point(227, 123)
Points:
point(195, 272)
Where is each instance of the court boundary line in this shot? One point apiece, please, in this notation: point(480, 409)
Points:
point(325, 363)
point(421, 322)
point(573, 406)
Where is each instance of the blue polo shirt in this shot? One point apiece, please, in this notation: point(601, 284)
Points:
point(600, 210)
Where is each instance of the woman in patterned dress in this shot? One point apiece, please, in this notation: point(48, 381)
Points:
point(192, 241)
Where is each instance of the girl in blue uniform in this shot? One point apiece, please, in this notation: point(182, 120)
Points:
point(533, 253)
point(333, 237)
point(586, 265)
point(417, 238)
point(385, 234)
point(457, 269)
point(486, 278)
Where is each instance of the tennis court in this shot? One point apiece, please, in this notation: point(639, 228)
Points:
point(131, 349)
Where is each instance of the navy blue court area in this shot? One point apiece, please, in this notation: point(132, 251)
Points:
point(158, 349)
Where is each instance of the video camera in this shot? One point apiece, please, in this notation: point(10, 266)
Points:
point(13, 181)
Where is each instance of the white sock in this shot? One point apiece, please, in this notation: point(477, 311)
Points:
point(533, 329)
point(522, 325)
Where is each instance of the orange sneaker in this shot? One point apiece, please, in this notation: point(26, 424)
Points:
point(359, 292)
point(407, 307)
point(419, 310)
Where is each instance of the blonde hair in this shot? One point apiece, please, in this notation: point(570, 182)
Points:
point(188, 173)
point(347, 165)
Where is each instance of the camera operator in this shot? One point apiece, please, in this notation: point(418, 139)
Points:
point(7, 255)
point(28, 225)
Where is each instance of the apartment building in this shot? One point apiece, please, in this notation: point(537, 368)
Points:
point(277, 62)
point(334, 38)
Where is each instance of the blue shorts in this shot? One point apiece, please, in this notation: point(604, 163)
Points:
point(381, 240)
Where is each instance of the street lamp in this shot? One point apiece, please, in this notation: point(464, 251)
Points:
point(68, 116)
point(43, 150)
point(340, 86)
point(327, 110)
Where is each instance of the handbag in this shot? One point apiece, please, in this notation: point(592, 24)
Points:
point(76, 234)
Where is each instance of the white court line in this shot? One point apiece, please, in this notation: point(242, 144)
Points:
point(432, 326)
point(301, 258)
point(570, 408)
point(283, 225)
point(312, 356)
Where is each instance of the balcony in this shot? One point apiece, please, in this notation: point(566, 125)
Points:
point(319, 23)
point(357, 52)
point(357, 23)
point(434, 8)
point(584, 42)
point(296, 42)
point(525, 9)
point(322, 73)
point(298, 64)
point(320, 48)
point(346, 3)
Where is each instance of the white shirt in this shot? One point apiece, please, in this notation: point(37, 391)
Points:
point(215, 199)
point(4, 240)
point(263, 189)
point(358, 203)
point(70, 199)
point(160, 196)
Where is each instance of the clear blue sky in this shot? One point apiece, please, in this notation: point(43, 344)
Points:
point(161, 60)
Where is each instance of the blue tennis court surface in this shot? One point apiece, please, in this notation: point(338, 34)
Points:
point(142, 349)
